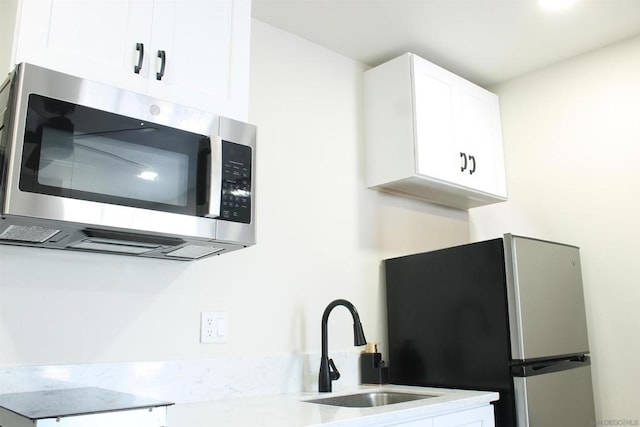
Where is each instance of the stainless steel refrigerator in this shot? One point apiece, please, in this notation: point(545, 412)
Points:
point(505, 315)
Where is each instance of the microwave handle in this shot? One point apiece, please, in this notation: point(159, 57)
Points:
point(215, 180)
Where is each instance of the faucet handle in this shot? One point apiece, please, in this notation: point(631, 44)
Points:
point(333, 371)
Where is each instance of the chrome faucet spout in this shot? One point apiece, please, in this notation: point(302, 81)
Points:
point(328, 370)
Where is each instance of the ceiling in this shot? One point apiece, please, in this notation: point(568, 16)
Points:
point(485, 41)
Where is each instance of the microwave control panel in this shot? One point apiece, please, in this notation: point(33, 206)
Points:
point(236, 183)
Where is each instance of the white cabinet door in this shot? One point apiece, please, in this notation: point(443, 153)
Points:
point(479, 417)
point(458, 136)
point(418, 423)
point(435, 96)
point(479, 141)
point(91, 39)
point(206, 48)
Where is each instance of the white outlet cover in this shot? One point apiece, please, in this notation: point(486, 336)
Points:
point(214, 327)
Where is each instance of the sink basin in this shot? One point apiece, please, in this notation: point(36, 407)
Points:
point(370, 399)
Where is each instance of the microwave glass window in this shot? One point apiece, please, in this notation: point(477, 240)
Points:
point(108, 166)
point(79, 152)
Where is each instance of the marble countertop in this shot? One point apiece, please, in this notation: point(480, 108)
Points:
point(74, 401)
point(294, 411)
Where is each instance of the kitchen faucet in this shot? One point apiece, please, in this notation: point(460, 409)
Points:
point(328, 370)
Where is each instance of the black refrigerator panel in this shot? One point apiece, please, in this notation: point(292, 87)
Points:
point(447, 314)
point(448, 321)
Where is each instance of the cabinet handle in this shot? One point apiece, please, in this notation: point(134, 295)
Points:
point(463, 166)
point(163, 61)
point(215, 182)
point(467, 161)
point(138, 67)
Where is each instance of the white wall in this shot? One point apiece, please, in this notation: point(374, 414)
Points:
point(572, 142)
point(321, 236)
point(8, 11)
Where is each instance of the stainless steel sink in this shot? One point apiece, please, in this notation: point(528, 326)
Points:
point(370, 399)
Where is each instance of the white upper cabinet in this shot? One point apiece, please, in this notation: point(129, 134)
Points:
point(432, 135)
point(195, 53)
point(91, 39)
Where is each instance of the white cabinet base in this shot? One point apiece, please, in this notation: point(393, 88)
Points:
point(438, 191)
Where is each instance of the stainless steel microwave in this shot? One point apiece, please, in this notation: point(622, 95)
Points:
point(89, 167)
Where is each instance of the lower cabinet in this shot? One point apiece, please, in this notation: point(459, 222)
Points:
point(419, 423)
point(477, 417)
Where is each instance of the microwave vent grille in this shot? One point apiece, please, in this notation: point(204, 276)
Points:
point(31, 234)
point(194, 251)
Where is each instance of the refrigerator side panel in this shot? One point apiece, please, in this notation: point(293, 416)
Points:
point(447, 321)
point(547, 316)
point(563, 398)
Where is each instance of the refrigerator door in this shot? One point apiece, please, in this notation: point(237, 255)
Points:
point(546, 301)
point(558, 399)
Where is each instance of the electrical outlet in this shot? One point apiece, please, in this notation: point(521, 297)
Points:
point(213, 327)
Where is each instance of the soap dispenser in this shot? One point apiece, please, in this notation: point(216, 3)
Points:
point(373, 370)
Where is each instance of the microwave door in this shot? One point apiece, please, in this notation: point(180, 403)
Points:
point(79, 152)
point(215, 177)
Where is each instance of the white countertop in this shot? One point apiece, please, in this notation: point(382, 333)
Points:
point(293, 411)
